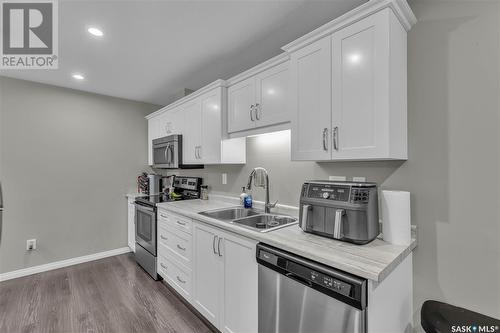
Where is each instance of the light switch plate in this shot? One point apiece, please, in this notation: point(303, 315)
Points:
point(224, 178)
point(337, 178)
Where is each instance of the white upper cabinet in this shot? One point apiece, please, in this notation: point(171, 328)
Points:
point(348, 87)
point(241, 106)
point(259, 97)
point(191, 137)
point(272, 88)
point(365, 114)
point(201, 119)
point(310, 101)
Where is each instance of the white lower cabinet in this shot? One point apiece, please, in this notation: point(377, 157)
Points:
point(131, 223)
point(225, 281)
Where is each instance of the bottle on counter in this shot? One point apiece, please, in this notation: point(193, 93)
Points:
point(248, 201)
point(243, 195)
point(204, 192)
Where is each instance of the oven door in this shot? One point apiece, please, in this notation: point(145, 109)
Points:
point(145, 227)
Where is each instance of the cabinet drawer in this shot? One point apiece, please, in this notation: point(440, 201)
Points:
point(177, 276)
point(172, 242)
point(168, 219)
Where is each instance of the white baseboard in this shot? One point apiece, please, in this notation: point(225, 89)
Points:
point(62, 263)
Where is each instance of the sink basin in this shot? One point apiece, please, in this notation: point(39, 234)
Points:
point(265, 222)
point(230, 214)
point(250, 218)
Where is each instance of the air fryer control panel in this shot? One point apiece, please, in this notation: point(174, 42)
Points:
point(353, 193)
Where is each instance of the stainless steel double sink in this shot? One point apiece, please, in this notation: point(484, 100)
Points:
point(251, 218)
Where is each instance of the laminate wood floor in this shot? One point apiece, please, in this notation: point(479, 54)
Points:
point(108, 295)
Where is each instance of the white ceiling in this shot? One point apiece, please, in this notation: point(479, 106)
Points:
point(151, 50)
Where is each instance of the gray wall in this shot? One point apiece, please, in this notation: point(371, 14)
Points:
point(68, 158)
point(454, 155)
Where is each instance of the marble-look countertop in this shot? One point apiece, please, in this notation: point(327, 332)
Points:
point(134, 195)
point(372, 261)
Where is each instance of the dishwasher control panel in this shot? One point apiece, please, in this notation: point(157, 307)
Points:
point(331, 283)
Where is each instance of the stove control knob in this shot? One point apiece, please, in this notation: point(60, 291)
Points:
point(326, 195)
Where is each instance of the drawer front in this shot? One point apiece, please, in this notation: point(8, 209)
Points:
point(176, 221)
point(172, 242)
point(176, 276)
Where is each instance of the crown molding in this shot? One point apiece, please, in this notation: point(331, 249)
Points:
point(400, 8)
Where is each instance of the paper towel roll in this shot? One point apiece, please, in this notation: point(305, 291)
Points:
point(396, 218)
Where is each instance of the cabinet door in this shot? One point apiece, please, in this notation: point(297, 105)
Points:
point(153, 133)
point(211, 127)
point(191, 137)
point(272, 88)
point(176, 121)
point(310, 101)
point(241, 104)
point(240, 285)
point(360, 89)
point(207, 273)
point(131, 226)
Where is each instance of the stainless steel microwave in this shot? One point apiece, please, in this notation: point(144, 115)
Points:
point(167, 153)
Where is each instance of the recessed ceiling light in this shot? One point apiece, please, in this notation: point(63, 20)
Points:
point(78, 77)
point(95, 32)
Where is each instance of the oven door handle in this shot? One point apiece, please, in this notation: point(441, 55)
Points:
point(144, 208)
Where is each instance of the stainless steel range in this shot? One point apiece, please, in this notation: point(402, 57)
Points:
point(146, 220)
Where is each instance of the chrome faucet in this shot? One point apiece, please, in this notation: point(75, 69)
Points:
point(261, 179)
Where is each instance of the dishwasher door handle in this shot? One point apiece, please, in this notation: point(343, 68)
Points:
point(299, 279)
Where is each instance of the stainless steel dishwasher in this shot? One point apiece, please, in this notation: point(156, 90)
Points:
point(298, 295)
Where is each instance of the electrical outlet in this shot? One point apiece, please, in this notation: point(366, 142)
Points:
point(337, 178)
point(31, 244)
point(359, 179)
point(224, 178)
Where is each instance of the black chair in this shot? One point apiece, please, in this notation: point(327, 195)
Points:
point(439, 317)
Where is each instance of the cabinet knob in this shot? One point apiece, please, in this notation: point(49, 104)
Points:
point(325, 139)
point(251, 112)
point(257, 111)
point(336, 138)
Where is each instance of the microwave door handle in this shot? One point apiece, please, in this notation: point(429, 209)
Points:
point(305, 213)
point(337, 227)
point(171, 154)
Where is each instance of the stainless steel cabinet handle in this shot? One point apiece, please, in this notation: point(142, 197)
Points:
point(251, 112)
point(213, 245)
point(181, 248)
point(257, 111)
point(181, 223)
point(199, 152)
point(305, 213)
point(337, 227)
point(325, 139)
point(218, 247)
point(163, 237)
point(180, 280)
point(336, 138)
point(196, 152)
point(163, 266)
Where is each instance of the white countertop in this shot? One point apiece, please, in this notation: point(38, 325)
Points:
point(372, 261)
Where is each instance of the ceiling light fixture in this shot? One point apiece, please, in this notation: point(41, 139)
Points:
point(95, 32)
point(78, 77)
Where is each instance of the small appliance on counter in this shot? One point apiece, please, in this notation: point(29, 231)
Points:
point(184, 188)
point(347, 211)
